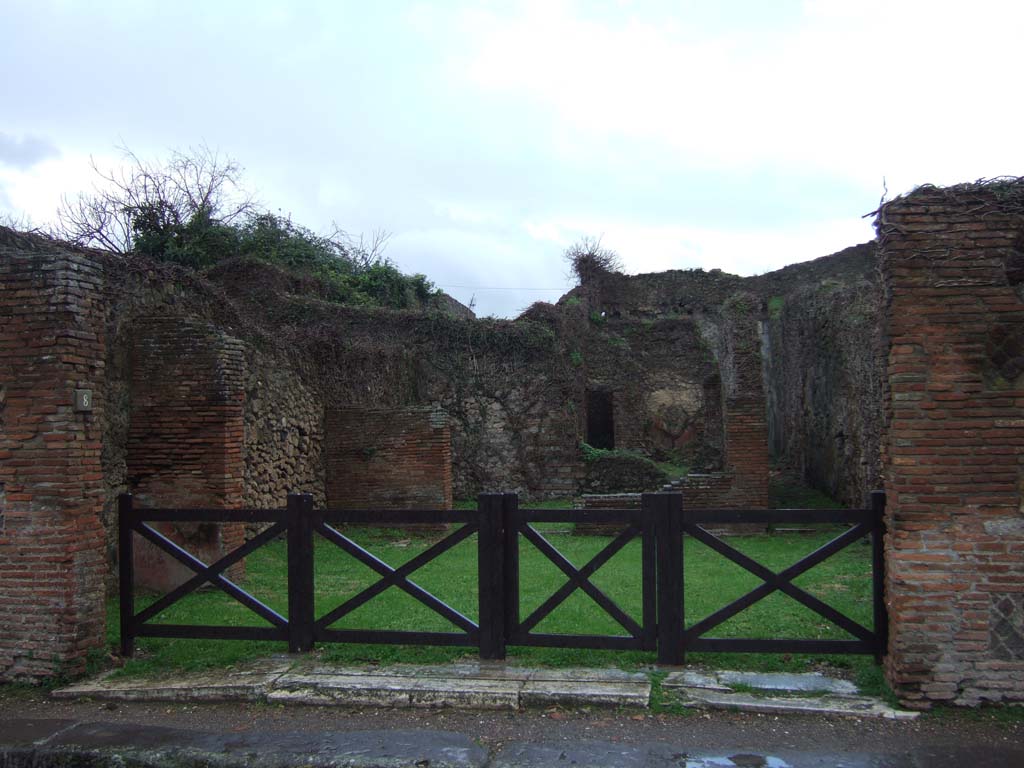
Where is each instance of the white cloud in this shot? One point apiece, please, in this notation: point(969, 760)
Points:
point(654, 248)
point(487, 137)
point(37, 191)
point(25, 151)
point(908, 90)
point(500, 275)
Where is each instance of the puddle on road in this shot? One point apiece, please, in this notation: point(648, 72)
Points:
point(737, 761)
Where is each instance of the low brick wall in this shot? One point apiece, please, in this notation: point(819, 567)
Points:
point(388, 459)
point(705, 491)
point(604, 501)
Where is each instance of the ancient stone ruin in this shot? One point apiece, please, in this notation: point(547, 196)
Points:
point(892, 364)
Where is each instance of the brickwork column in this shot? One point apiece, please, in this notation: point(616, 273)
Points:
point(744, 409)
point(52, 560)
point(952, 265)
point(186, 434)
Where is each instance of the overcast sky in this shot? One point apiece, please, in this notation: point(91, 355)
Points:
point(486, 137)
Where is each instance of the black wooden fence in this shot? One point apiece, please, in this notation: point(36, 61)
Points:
point(499, 524)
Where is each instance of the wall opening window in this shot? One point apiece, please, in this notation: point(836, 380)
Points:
point(600, 419)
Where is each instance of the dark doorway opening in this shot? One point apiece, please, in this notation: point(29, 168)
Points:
point(600, 419)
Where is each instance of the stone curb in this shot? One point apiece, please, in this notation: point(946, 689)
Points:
point(463, 686)
point(828, 696)
point(490, 686)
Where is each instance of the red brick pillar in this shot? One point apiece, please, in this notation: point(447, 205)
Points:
point(51, 484)
point(744, 412)
point(952, 262)
point(186, 436)
point(746, 451)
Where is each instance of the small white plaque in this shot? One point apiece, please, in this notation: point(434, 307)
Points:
point(83, 400)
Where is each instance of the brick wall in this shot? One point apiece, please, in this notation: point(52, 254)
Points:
point(51, 539)
point(185, 436)
point(705, 490)
point(604, 501)
point(951, 263)
point(746, 452)
point(744, 412)
point(388, 458)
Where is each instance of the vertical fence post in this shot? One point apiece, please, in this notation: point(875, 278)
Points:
point(490, 568)
point(300, 572)
point(667, 509)
point(881, 615)
point(126, 572)
point(649, 575)
point(510, 550)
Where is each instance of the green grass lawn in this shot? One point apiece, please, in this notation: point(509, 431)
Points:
point(711, 582)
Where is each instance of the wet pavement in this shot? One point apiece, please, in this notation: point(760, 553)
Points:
point(228, 735)
point(431, 717)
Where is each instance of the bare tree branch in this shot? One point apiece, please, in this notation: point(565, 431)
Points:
point(196, 181)
point(19, 222)
point(588, 259)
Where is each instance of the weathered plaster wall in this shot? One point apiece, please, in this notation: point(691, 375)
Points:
point(683, 361)
point(951, 263)
point(51, 538)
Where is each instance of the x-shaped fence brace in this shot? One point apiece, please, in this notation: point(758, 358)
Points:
point(396, 577)
point(579, 578)
point(499, 526)
point(781, 581)
point(211, 574)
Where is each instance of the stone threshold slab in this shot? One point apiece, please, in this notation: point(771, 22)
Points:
point(789, 682)
point(810, 693)
point(463, 686)
point(250, 682)
point(842, 706)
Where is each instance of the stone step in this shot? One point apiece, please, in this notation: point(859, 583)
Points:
point(471, 685)
point(776, 693)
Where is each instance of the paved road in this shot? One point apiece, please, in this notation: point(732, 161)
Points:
point(261, 735)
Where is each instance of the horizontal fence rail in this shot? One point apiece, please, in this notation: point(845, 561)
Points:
point(635, 523)
point(132, 522)
point(397, 577)
point(678, 639)
point(500, 525)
